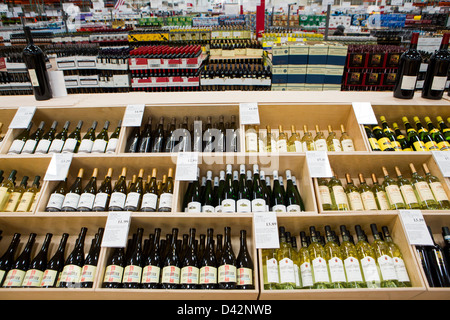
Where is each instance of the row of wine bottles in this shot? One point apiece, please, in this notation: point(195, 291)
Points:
point(256, 141)
point(18, 198)
point(416, 193)
point(41, 142)
point(238, 191)
point(335, 264)
point(217, 137)
point(385, 139)
point(166, 52)
point(173, 264)
point(137, 196)
point(75, 271)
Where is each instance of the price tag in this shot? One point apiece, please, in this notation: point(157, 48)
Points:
point(249, 113)
point(22, 118)
point(187, 166)
point(416, 228)
point(318, 164)
point(133, 115)
point(59, 167)
point(443, 161)
point(116, 229)
point(266, 230)
point(364, 113)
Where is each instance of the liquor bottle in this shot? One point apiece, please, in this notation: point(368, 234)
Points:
point(6, 188)
point(346, 141)
point(16, 274)
point(333, 143)
point(367, 257)
point(380, 194)
point(73, 195)
point(383, 141)
point(285, 262)
point(408, 70)
point(35, 272)
point(413, 138)
point(16, 195)
point(317, 254)
point(19, 141)
point(353, 195)
point(133, 265)
point(425, 136)
point(101, 201)
point(408, 193)
point(152, 264)
point(7, 259)
point(436, 75)
point(208, 264)
point(101, 140)
point(401, 138)
point(384, 259)
point(46, 140)
point(71, 274)
point(437, 135)
point(350, 258)
point(277, 200)
point(87, 197)
point(305, 263)
point(422, 190)
point(337, 192)
point(114, 139)
point(119, 193)
point(90, 263)
point(56, 199)
point(258, 199)
point(390, 134)
point(189, 274)
point(367, 195)
point(150, 197)
point(134, 196)
point(114, 269)
point(307, 140)
point(393, 192)
point(55, 265)
point(294, 142)
point(166, 196)
point(60, 138)
point(244, 265)
point(170, 278)
point(372, 140)
point(444, 129)
point(436, 187)
point(33, 139)
point(73, 140)
point(227, 264)
point(446, 249)
point(292, 198)
point(397, 256)
point(325, 195)
point(440, 268)
point(208, 195)
point(34, 59)
point(158, 137)
point(320, 143)
point(282, 140)
point(335, 262)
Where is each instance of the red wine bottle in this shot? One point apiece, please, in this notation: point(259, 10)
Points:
point(91, 261)
point(244, 265)
point(38, 265)
point(227, 264)
point(152, 264)
point(436, 76)
point(55, 265)
point(189, 275)
point(7, 259)
point(114, 269)
point(408, 69)
point(133, 266)
point(71, 274)
point(15, 276)
point(34, 60)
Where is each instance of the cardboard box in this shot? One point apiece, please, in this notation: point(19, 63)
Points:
point(298, 54)
point(337, 55)
point(280, 74)
point(318, 54)
point(333, 74)
point(315, 74)
point(280, 55)
point(296, 74)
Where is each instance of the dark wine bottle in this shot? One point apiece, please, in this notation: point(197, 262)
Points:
point(158, 137)
point(114, 269)
point(101, 201)
point(244, 265)
point(119, 193)
point(446, 249)
point(7, 259)
point(258, 198)
point(439, 266)
point(227, 264)
point(15, 275)
point(71, 274)
point(73, 196)
point(145, 144)
point(55, 265)
point(208, 195)
point(152, 265)
point(208, 264)
point(34, 274)
point(134, 197)
point(150, 197)
point(194, 201)
point(189, 275)
point(133, 265)
point(34, 60)
point(277, 200)
point(172, 263)
point(90, 263)
point(87, 197)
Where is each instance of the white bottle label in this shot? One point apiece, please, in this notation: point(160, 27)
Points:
point(408, 83)
point(88, 273)
point(337, 145)
point(86, 146)
point(112, 144)
point(100, 200)
point(227, 273)
point(337, 271)
point(29, 146)
point(325, 196)
point(194, 206)
point(99, 146)
point(244, 205)
point(14, 278)
point(170, 274)
point(132, 274)
point(132, 199)
point(86, 200)
point(394, 195)
point(408, 194)
point(355, 201)
point(32, 278)
point(320, 270)
point(438, 191)
point(228, 205)
point(208, 209)
point(33, 77)
point(252, 141)
point(150, 274)
point(71, 273)
point(387, 268)
point(353, 270)
point(282, 145)
point(149, 200)
point(70, 145)
point(279, 208)
point(306, 273)
point(42, 146)
point(56, 200)
point(293, 208)
point(370, 269)
point(208, 274)
point(321, 145)
point(71, 200)
point(382, 200)
point(16, 147)
point(438, 83)
point(189, 275)
point(56, 146)
point(272, 271)
point(286, 267)
point(298, 146)
point(369, 200)
point(424, 191)
point(165, 200)
point(347, 145)
point(258, 205)
point(118, 199)
point(339, 195)
point(400, 269)
point(113, 274)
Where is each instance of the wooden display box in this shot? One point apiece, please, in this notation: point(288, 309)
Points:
point(392, 221)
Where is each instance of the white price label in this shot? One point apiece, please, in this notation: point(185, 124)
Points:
point(249, 113)
point(364, 113)
point(59, 167)
point(318, 164)
point(116, 229)
point(22, 118)
point(187, 166)
point(133, 115)
point(266, 230)
point(443, 161)
point(416, 228)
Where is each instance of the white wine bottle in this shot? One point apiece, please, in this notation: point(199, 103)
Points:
point(337, 193)
point(351, 261)
point(16, 195)
point(346, 141)
point(325, 195)
point(29, 197)
point(384, 259)
point(6, 188)
point(367, 196)
point(134, 196)
point(166, 196)
point(397, 256)
point(33, 140)
point(320, 142)
point(317, 255)
point(73, 196)
point(294, 142)
point(393, 193)
point(354, 197)
point(305, 263)
point(119, 193)
point(114, 139)
point(44, 144)
point(101, 141)
point(423, 190)
point(87, 197)
point(436, 187)
point(380, 194)
point(251, 139)
point(73, 140)
point(60, 138)
point(87, 142)
point(338, 279)
point(333, 142)
point(285, 262)
point(368, 260)
point(270, 269)
point(408, 193)
point(307, 140)
point(282, 140)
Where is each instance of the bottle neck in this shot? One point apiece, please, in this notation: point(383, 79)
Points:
point(28, 36)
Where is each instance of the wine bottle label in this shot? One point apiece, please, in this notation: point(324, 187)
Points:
point(70, 145)
point(194, 206)
point(71, 273)
point(424, 191)
point(408, 194)
point(387, 268)
point(244, 205)
point(394, 195)
point(43, 146)
point(369, 200)
point(320, 270)
point(355, 201)
point(29, 146)
point(286, 267)
point(88, 273)
point(337, 272)
point(113, 274)
point(244, 276)
point(49, 278)
point(282, 145)
point(12, 202)
point(374, 144)
point(86, 146)
point(132, 274)
point(228, 205)
point(33, 77)
point(370, 269)
point(431, 146)
point(272, 271)
point(117, 199)
point(208, 274)
point(298, 146)
point(28, 198)
point(384, 143)
point(400, 269)
point(165, 200)
point(396, 145)
point(99, 146)
point(150, 274)
point(56, 146)
point(56, 201)
point(208, 209)
point(100, 200)
point(218, 208)
point(347, 145)
point(382, 200)
point(252, 141)
point(321, 145)
point(14, 278)
point(86, 200)
point(419, 146)
point(132, 199)
point(438, 191)
point(443, 146)
point(149, 200)
point(339, 195)
point(16, 147)
point(306, 273)
point(279, 208)
point(71, 200)
point(293, 208)
point(32, 278)
point(353, 270)
point(325, 196)
point(171, 274)
point(337, 145)
point(112, 144)
point(189, 275)
point(438, 83)
point(258, 205)
point(227, 273)
point(296, 276)
point(408, 82)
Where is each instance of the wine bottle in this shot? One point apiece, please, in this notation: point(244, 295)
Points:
point(55, 265)
point(152, 264)
point(114, 139)
point(401, 138)
point(208, 195)
point(229, 197)
point(408, 69)
point(33, 139)
point(383, 141)
point(189, 274)
point(73, 140)
point(208, 264)
point(393, 192)
point(258, 199)
point(16, 274)
point(34, 59)
point(87, 197)
point(158, 137)
point(390, 134)
point(244, 265)
point(46, 140)
point(440, 268)
point(408, 193)
point(444, 129)
point(7, 259)
point(337, 192)
point(251, 139)
point(368, 260)
point(150, 197)
point(294, 142)
point(354, 197)
point(335, 262)
point(56, 199)
point(307, 140)
point(367, 196)
point(346, 141)
point(292, 199)
point(426, 264)
point(380, 194)
point(325, 195)
point(437, 136)
point(166, 196)
point(145, 143)
point(73, 195)
point(101, 140)
point(321, 279)
point(227, 264)
point(71, 274)
point(413, 138)
point(119, 193)
point(90, 263)
point(133, 265)
point(352, 265)
point(422, 190)
point(6, 188)
point(282, 140)
point(60, 138)
point(114, 269)
point(134, 196)
point(446, 249)
point(170, 278)
point(194, 201)
point(35, 272)
point(333, 143)
point(436, 187)
point(277, 200)
point(320, 143)
point(20, 140)
point(384, 259)
point(372, 139)
point(397, 257)
point(436, 75)
point(425, 136)
point(101, 201)
point(16, 195)
point(87, 142)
